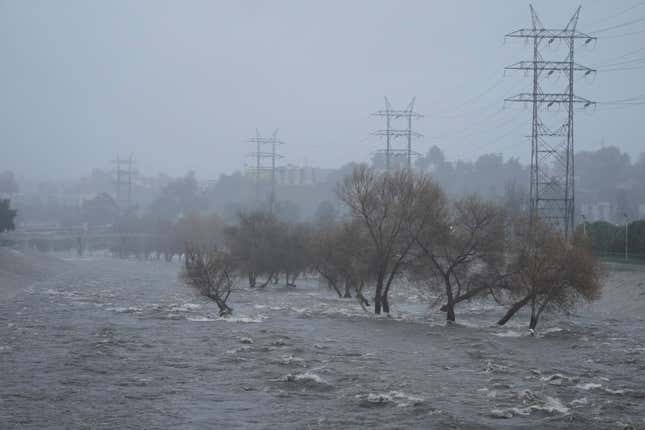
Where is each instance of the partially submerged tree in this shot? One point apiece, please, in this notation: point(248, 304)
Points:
point(211, 274)
point(252, 242)
point(551, 273)
point(393, 208)
point(292, 251)
point(340, 254)
point(355, 257)
point(464, 249)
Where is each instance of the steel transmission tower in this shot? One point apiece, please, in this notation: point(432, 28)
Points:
point(552, 189)
point(124, 172)
point(261, 169)
point(391, 134)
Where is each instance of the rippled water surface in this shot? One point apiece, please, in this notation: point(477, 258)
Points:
point(122, 344)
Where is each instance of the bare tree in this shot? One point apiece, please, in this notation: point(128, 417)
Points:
point(293, 252)
point(211, 274)
point(340, 254)
point(253, 242)
point(465, 250)
point(551, 273)
point(393, 208)
point(325, 256)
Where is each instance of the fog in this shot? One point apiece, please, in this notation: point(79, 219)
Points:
point(409, 259)
point(182, 85)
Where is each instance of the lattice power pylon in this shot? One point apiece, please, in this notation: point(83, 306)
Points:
point(124, 175)
point(260, 170)
point(552, 189)
point(391, 134)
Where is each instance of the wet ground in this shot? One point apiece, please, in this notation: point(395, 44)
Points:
point(122, 344)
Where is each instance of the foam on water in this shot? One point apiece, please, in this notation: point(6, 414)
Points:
point(588, 386)
point(396, 398)
point(307, 379)
point(548, 404)
point(579, 402)
point(511, 333)
point(288, 359)
point(336, 357)
point(125, 309)
point(556, 379)
point(200, 319)
point(241, 318)
point(185, 307)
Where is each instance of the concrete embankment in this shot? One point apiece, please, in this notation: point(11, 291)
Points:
point(18, 270)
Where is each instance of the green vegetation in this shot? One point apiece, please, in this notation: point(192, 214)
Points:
point(608, 241)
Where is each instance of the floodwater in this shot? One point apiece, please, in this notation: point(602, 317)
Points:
point(122, 344)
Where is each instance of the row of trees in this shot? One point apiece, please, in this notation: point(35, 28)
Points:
point(609, 239)
point(400, 226)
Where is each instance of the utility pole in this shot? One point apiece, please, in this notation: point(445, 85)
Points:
point(392, 134)
point(584, 225)
point(261, 169)
point(626, 237)
point(552, 188)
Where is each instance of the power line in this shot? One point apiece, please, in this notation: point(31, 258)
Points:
point(480, 95)
point(621, 69)
point(495, 128)
point(613, 27)
point(468, 108)
point(629, 99)
point(619, 13)
point(618, 36)
point(627, 54)
point(633, 62)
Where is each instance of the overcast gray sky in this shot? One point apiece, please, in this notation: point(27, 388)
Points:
point(182, 84)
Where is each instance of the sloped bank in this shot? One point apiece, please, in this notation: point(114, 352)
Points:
point(18, 270)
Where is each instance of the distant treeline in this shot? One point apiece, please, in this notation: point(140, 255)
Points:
point(606, 175)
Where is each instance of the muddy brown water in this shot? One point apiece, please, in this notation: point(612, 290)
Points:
point(122, 344)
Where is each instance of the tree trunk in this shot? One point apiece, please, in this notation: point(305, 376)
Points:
point(385, 302)
point(514, 309)
point(378, 295)
point(361, 299)
point(359, 295)
point(224, 309)
point(292, 282)
point(331, 282)
point(450, 306)
point(335, 287)
point(348, 294)
point(533, 322)
point(450, 311)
